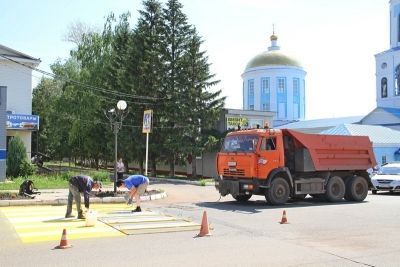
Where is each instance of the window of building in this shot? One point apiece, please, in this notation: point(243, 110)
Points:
point(265, 107)
point(397, 81)
point(250, 94)
point(296, 87)
point(264, 86)
point(384, 159)
point(384, 87)
point(398, 28)
point(251, 87)
point(281, 85)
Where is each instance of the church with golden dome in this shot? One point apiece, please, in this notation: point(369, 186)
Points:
point(274, 81)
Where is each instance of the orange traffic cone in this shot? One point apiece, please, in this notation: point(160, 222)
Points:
point(204, 228)
point(64, 241)
point(284, 219)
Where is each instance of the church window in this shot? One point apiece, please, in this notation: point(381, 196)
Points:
point(281, 85)
point(250, 94)
point(264, 86)
point(296, 87)
point(398, 28)
point(397, 81)
point(265, 106)
point(251, 87)
point(384, 87)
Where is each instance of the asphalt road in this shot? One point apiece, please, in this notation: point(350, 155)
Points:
point(318, 234)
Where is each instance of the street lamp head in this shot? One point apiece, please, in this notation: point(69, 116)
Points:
point(121, 105)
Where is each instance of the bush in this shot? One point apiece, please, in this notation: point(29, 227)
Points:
point(17, 161)
point(27, 169)
point(100, 175)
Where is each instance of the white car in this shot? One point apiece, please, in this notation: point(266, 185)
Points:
point(387, 178)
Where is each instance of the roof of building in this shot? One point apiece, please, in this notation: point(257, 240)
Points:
point(377, 134)
point(268, 58)
point(393, 111)
point(321, 123)
point(382, 116)
point(7, 53)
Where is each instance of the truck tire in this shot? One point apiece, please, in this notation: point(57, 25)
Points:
point(335, 189)
point(242, 198)
point(356, 189)
point(278, 193)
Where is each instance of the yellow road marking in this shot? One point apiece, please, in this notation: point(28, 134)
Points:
point(45, 223)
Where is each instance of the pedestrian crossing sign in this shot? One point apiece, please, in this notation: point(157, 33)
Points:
point(147, 117)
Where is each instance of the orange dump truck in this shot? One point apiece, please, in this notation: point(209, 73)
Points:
point(284, 163)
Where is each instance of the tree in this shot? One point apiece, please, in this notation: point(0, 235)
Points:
point(150, 73)
point(17, 161)
point(201, 107)
point(176, 34)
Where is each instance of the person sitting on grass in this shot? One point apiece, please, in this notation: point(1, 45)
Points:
point(77, 185)
point(137, 185)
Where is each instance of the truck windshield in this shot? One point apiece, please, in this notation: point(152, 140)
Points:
point(240, 143)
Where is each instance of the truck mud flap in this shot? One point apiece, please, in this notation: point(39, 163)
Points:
point(226, 187)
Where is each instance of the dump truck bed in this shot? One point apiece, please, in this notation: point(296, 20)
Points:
point(319, 152)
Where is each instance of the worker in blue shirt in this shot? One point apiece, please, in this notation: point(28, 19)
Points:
point(137, 185)
point(77, 185)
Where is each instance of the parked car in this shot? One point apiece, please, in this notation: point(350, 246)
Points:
point(387, 178)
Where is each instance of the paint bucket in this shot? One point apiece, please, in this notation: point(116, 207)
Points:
point(91, 218)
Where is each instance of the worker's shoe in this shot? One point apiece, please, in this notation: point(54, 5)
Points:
point(138, 209)
point(69, 216)
point(81, 216)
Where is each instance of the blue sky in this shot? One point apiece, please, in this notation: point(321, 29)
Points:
point(334, 40)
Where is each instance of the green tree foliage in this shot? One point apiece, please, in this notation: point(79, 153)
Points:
point(157, 64)
point(17, 161)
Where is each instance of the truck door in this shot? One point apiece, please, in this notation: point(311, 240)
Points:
point(268, 157)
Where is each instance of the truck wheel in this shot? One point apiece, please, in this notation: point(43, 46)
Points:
point(278, 193)
point(242, 198)
point(356, 189)
point(335, 189)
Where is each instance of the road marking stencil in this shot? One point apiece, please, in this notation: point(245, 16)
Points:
point(148, 222)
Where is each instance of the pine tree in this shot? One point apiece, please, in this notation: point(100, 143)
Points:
point(202, 107)
point(175, 39)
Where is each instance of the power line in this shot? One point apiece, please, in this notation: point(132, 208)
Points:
point(95, 88)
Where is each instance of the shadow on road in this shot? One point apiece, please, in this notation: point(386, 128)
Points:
point(256, 206)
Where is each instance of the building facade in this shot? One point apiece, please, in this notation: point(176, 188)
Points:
point(273, 81)
point(388, 64)
point(16, 75)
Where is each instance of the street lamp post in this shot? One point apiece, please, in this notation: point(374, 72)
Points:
point(116, 116)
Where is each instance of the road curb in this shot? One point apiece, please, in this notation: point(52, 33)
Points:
point(181, 181)
point(63, 201)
